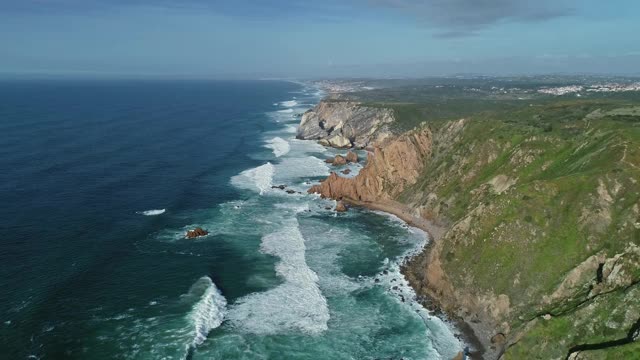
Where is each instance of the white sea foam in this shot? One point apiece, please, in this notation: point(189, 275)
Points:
point(295, 305)
point(279, 146)
point(258, 178)
point(286, 111)
point(208, 313)
point(442, 338)
point(292, 169)
point(290, 103)
point(291, 129)
point(152, 212)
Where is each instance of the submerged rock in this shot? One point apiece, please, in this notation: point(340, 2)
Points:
point(197, 232)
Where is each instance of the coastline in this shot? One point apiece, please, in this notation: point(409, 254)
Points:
point(469, 332)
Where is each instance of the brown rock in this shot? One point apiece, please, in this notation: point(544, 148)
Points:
point(388, 172)
point(346, 171)
point(498, 338)
point(340, 207)
point(339, 160)
point(459, 356)
point(352, 157)
point(329, 161)
point(197, 232)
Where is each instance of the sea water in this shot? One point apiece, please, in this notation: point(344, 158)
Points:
point(101, 180)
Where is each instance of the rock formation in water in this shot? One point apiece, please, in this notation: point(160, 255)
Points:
point(352, 157)
point(197, 232)
point(340, 207)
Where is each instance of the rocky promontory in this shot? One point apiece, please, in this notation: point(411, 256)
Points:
point(345, 124)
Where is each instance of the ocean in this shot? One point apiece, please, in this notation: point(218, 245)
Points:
point(99, 182)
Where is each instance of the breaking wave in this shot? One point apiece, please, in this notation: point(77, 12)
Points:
point(279, 146)
point(152, 212)
point(290, 103)
point(208, 313)
point(258, 178)
point(295, 305)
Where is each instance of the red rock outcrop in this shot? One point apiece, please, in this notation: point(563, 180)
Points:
point(389, 170)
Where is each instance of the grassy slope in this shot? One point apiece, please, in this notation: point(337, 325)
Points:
point(524, 241)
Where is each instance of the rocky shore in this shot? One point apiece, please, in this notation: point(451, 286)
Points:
point(471, 332)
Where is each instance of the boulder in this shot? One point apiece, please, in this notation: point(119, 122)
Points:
point(291, 191)
point(346, 171)
point(498, 338)
point(197, 232)
point(329, 161)
point(341, 207)
point(339, 142)
point(281, 187)
point(339, 160)
point(352, 157)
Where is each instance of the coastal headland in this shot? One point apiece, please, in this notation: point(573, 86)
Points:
point(531, 201)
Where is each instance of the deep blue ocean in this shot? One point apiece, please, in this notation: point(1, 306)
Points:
point(99, 182)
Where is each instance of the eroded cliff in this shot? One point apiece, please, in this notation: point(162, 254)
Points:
point(389, 170)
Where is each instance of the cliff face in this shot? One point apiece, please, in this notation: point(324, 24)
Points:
point(388, 172)
point(539, 252)
point(345, 124)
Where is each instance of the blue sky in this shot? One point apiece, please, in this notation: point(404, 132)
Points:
point(296, 38)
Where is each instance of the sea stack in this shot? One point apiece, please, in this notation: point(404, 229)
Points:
point(352, 157)
point(197, 232)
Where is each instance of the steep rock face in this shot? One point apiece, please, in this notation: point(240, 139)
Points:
point(345, 124)
point(388, 172)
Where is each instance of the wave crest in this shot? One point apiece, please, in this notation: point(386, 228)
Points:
point(153, 212)
point(259, 178)
point(208, 313)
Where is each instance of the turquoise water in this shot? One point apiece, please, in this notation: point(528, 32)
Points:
point(111, 176)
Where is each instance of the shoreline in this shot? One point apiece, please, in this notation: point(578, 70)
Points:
point(467, 331)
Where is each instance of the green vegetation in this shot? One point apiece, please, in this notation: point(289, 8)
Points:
point(533, 186)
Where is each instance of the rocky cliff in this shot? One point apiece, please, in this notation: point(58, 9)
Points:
point(389, 170)
point(344, 124)
point(539, 231)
